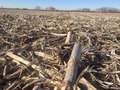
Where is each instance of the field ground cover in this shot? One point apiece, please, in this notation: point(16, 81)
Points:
point(33, 52)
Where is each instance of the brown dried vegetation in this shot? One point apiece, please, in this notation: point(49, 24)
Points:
point(34, 55)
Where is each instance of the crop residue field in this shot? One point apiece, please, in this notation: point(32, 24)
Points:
point(36, 46)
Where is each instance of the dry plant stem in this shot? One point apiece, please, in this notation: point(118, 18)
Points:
point(72, 67)
point(82, 80)
point(15, 74)
point(35, 87)
point(27, 63)
point(12, 86)
point(16, 49)
point(44, 55)
point(41, 80)
point(104, 85)
point(85, 82)
point(31, 83)
point(55, 34)
point(117, 78)
point(69, 37)
point(4, 71)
